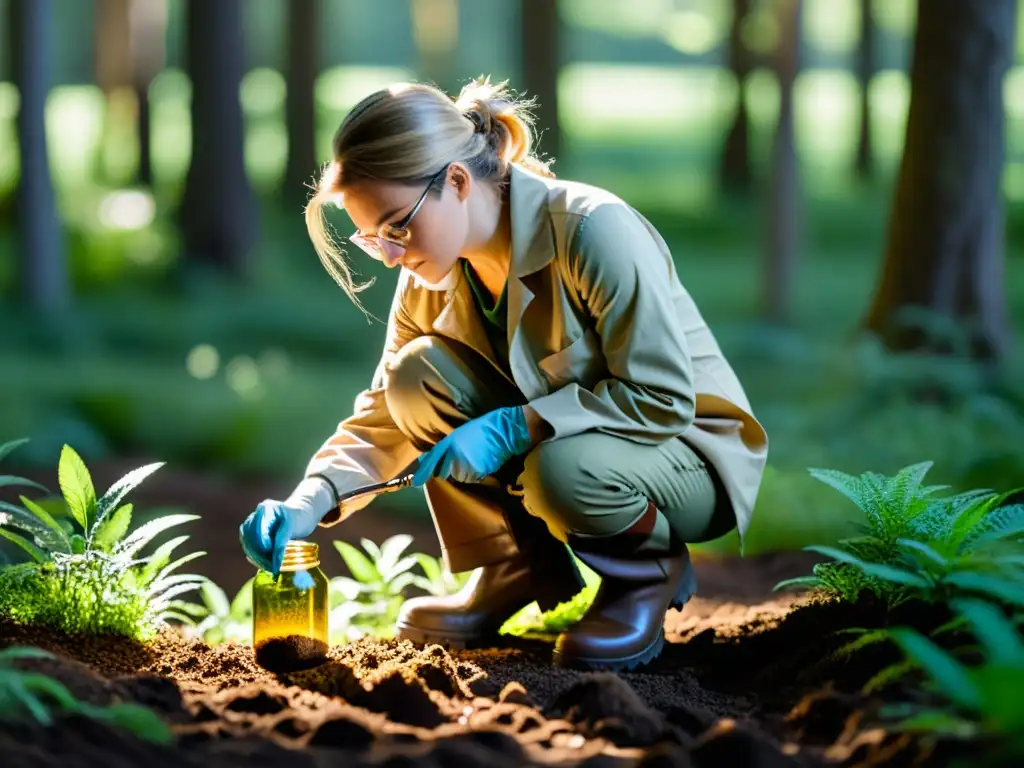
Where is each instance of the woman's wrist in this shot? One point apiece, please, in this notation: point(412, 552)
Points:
point(537, 427)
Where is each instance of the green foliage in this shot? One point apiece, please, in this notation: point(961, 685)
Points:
point(218, 620)
point(914, 544)
point(85, 574)
point(369, 602)
point(532, 620)
point(32, 697)
point(984, 697)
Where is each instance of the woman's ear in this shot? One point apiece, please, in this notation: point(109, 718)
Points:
point(461, 180)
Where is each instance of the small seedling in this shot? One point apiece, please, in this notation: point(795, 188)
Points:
point(31, 697)
point(84, 573)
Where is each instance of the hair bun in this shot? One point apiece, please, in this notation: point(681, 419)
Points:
point(481, 118)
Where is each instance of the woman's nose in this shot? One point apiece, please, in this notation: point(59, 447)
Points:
point(391, 254)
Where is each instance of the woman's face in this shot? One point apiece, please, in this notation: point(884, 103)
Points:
point(430, 242)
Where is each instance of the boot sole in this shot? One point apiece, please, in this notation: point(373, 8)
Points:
point(623, 664)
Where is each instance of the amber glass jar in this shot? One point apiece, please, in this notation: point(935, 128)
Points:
point(290, 613)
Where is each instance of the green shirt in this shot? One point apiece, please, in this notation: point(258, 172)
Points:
point(493, 313)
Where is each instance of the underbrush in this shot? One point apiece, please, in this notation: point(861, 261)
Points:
point(84, 572)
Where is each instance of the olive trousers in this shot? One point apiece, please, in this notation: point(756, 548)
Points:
point(590, 485)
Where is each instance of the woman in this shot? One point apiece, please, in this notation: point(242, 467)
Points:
point(545, 375)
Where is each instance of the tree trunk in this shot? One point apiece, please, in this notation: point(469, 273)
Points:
point(783, 229)
point(436, 32)
point(129, 52)
point(944, 251)
point(300, 106)
point(735, 171)
point(218, 215)
point(42, 267)
point(540, 42)
point(865, 72)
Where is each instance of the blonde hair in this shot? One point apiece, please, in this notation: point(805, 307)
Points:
point(407, 133)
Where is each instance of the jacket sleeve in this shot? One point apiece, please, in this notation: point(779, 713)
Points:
point(366, 447)
point(625, 281)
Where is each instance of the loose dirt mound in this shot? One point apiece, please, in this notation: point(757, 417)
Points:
point(742, 683)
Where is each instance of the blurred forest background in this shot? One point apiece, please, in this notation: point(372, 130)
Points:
point(159, 299)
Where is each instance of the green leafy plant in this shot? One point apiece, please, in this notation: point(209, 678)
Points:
point(984, 697)
point(84, 572)
point(914, 544)
point(27, 696)
point(218, 620)
point(368, 602)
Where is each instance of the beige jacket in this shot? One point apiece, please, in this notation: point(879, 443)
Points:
point(602, 336)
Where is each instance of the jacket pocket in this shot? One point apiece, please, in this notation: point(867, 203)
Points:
point(582, 362)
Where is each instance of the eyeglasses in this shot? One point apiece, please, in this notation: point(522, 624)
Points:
point(391, 240)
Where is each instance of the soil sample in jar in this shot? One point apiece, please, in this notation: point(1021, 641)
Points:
point(290, 613)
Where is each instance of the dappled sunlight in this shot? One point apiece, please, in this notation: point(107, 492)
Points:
point(203, 361)
point(127, 209)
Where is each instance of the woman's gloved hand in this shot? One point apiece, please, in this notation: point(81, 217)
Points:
point(273, 524)
point(477, 448)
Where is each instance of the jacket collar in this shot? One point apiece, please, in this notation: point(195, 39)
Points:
point(533, 242)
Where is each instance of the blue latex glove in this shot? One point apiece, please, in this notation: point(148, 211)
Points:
point(477, 448)
point(270, 527)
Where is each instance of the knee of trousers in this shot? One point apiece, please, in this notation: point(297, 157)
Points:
point(562, 486)
point(424, 390)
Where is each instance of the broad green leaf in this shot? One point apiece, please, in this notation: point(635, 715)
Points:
point(160, 557)
point(391, 551)
point(17, 652)
point(192, 609)
point(33, 551)
point(1009, 591)
point(149, 531)
point(7, 448)
point(953, 679)
point(431, 566)
point(9, 480)
point(877, 570)
point(996, 633)
point(241, 605)
point(107, 532)
point(184, 618)
point(372, 550)
point(801, 581)
point(923, 549)
point(76, 485)
point(122, 488)
point(77, 544)
point(937, 721)
point(215, 599)
point(357, 563)
point(62, 538)
point(137, 720)
point(14, 516)
point(28, 700)
point(402, 566)
point(162, 586)
point(167, 570)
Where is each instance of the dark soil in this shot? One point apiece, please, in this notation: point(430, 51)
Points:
point(747, 679)
point(293, 653)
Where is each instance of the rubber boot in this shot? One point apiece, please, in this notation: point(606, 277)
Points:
point(544, 570)
point(644, 572)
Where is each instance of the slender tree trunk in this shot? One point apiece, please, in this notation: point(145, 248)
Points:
point(149, 56)
point(218, 215)
point(42, 267)
point(944, 257)
point(129, 52)
point(300, 107)
point(865, 72)
point(735, 171)
point(783, 230)
point(436, 31)
point(540, 43)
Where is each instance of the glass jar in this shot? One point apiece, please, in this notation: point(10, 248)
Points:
point(290, 613)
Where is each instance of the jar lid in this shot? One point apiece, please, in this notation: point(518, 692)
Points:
point(300, 554)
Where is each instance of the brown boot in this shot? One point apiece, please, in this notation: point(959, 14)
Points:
point(493, 595)
point(641, 578)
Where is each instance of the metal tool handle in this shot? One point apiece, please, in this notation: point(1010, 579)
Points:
point(402, 481)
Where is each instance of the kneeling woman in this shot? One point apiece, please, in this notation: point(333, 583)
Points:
point(545, 374)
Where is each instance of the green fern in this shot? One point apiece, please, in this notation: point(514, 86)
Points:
point(85, 573)
point(917, 545)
